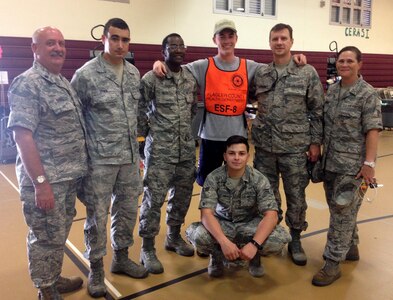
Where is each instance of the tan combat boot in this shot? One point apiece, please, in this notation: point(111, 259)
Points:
point(328, 274)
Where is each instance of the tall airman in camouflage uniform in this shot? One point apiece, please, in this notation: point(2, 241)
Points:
point(352, 122)
point(108, 87)
point(166, 110)
point(47, 122)
point(238, 214)
point(287, 129)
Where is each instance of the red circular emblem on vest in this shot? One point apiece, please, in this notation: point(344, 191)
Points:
point(237, 80)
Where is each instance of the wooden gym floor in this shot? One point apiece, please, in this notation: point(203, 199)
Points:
point(370, 278)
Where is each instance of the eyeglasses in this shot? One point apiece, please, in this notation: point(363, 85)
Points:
point(174, 47)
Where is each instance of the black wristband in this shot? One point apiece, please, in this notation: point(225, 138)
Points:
point(254, 242)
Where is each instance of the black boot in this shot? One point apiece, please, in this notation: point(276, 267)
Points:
point(216, 264)
point(353, 253)
point(149, 258)
point(49, 293)
point(255, 267)
point(295, 249)
point(68, 284)
point(95, 283)
point(121, 264)
point(174, 242)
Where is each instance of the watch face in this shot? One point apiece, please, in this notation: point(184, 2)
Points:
point(370, 164)
point(41, 179)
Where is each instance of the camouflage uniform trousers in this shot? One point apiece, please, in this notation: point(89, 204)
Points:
point(119, 185)
point(293, 170)
point(159, 177)
point(48, 231)
point(344, 200)
point(239, 233)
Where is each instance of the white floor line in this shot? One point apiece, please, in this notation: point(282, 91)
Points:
point(316, 204)
point(109, 285)
point(9, 181)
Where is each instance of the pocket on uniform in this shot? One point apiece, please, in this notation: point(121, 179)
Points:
point(109, 145)
point(65, 113)
point(136, 94)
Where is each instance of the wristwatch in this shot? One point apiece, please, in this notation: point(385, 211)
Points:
point(255, 243)
point(371, 164)
point(40, 179)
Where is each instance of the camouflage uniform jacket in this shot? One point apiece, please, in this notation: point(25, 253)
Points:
point(347, 120)
point(290, 109)
point(47, 105)
point(249, 199)
point(110, 111)
point(166, 110)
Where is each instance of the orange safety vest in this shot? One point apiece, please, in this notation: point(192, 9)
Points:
point(226, 91)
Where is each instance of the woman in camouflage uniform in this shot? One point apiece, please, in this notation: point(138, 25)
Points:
point(352, 116)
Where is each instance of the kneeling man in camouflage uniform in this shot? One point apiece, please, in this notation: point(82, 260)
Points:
point(238, 214)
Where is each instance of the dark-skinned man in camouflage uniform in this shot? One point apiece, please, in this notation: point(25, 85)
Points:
point(165, 116)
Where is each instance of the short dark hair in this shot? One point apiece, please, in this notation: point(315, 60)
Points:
point(353, 49)
point(115, 22)
point(281, 26)
point(165, 40)
point(236, 139)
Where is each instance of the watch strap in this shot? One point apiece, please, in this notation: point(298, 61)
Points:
point(255, 243)
point(370, 164)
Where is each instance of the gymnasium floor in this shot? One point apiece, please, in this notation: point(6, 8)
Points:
point(370, 278)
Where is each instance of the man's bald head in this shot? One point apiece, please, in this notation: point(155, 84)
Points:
point(48, 46)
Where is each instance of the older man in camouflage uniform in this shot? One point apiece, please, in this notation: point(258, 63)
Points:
point(288, 124)
point(109, 90)
point(46, 118)
point(165, 116)
point(238, 214)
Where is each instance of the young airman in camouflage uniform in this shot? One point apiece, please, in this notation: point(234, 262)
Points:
point(166, 110)
point(352, 122)
point(47, 121)
point(108, 87)
point(238, 214)
point(287, 129)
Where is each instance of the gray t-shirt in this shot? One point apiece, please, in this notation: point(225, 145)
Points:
point(218, 127)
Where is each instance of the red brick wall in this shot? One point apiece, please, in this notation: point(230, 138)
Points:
point(17, 57)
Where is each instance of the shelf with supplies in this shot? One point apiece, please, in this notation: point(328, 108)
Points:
point(386, 95)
